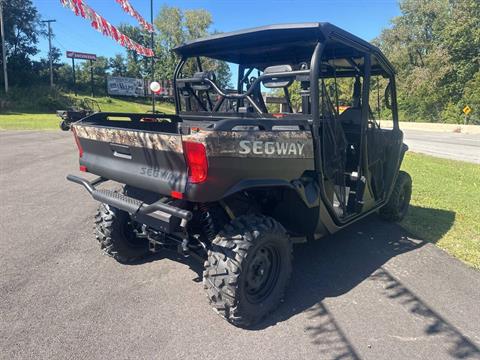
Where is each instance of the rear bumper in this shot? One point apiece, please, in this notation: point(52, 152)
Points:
point(158, 215)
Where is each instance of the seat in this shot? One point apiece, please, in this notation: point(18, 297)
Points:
point(351, 116)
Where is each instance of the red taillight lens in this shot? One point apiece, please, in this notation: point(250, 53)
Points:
point(79, 146)
point(196, 157)
point(176, 194)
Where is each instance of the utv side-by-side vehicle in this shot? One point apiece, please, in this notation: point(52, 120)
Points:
point(234, 181)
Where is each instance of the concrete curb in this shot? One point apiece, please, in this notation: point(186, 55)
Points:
point(454, 128)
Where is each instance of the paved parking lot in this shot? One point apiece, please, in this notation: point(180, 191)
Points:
point(369, 292)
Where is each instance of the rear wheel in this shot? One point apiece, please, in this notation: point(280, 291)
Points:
point(115, 232)
point(64, 125)
point(248, 269)
point(397, 206)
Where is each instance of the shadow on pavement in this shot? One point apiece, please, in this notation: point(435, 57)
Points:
point(336, 264)
point(459, 346)
point(333, 266)
point(327, 334)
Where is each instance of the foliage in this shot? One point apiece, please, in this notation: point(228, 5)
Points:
point(137, 66)
point(118, 65)
point(22, 32)
point(435, 47)
point(33, 98)
point(176, 27)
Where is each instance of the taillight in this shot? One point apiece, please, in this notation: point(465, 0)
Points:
point(80, 149)
point(196, 157)
point(176, 194)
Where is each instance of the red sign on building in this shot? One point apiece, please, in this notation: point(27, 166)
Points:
point(79, 55)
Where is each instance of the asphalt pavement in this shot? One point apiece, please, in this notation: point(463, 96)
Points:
point(368, 292)
point(448, 145)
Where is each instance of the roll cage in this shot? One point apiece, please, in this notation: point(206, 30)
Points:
point(315, 52)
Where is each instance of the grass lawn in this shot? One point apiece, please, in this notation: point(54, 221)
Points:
point(27, 120)
point(445, 206)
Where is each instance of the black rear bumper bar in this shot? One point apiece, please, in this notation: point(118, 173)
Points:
point(132, 206)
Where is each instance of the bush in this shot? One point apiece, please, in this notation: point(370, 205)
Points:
point(37, 99)
point(452, 114)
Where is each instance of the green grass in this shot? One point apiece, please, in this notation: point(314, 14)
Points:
point(26, 119)
point(137, 106)
point(445, 206)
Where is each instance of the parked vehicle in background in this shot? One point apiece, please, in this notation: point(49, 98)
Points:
point(84, 108)
point(228, 182)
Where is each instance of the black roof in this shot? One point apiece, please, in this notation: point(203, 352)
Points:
point(280, 44)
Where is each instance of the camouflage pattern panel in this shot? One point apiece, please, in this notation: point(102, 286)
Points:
point(140, 139)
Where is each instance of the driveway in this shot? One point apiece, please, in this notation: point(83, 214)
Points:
point(368, 292)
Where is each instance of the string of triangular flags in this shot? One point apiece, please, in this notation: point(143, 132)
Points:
point(80, 8)
point(125, 4)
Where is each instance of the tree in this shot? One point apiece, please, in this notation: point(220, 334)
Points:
point(100, 71)
point(118, 65)
point(435, 47)
point(175, 27)
point(22, 30)
point(137, 66)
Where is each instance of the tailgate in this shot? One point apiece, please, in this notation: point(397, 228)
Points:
point(145, 155)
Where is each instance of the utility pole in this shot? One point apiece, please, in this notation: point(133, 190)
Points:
point(153, 57)
point(50, 49)
point(4, 52)
point(91, 78)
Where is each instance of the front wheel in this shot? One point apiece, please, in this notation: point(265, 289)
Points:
point(248, 269)
point(397, 206)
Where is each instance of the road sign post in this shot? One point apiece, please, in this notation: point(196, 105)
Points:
point(466, 110)
point(91, 77)
point(74, 79)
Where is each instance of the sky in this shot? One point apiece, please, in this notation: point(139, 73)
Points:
point(364, 18)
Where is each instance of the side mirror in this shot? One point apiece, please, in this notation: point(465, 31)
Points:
point(388, 96)
point(279, 82)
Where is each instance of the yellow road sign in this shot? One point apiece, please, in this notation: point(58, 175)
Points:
point(467, 110)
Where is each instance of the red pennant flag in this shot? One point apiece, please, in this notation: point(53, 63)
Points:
point(99, 23)
point(128, 8)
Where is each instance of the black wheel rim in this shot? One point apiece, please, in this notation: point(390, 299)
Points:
point(262, 273)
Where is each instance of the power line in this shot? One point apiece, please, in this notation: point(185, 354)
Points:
point(59, 43)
